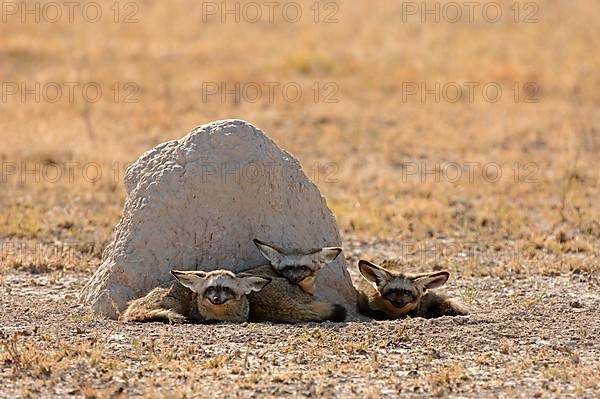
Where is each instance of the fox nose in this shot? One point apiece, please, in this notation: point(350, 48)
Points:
point(398, 304)
point(216, 300)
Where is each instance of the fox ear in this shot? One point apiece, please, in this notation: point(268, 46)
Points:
point(255, 283)
point(372, 272)
point(433, 280)
point(328, 255)
point(272, 254)
point(189, 278)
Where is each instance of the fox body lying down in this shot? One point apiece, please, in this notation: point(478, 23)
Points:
point(384, 294)
point(283, 302)
point(220, 295)
point(299, 267)
point(198, 296)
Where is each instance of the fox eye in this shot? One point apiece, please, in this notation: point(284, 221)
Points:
point(400, 292)
point(297, 268)
point(227, 290)
point(210, 289)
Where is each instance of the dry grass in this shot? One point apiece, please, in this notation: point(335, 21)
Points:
point(374, 138)
point(525, 337)
point(515, 350)
point(540, 218)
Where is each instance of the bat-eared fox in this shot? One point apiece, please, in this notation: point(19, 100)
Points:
point(385, 294)
point(289, 298)
point(279, 292)
point(298, 267)
point(198, 296)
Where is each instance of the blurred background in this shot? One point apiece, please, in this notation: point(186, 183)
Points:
point(425, 121)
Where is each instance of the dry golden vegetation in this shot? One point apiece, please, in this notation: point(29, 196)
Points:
point(406, 177)
point(374, 152)
point(520, 346)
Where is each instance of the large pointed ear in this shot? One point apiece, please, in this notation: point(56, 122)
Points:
point(254, 283)
point(190, 278)
point(328, 255)
point(272, 254)
point(373, 273)
point(433, 280)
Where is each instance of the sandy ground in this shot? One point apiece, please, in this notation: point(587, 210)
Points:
point(526, 337)
point(535, 321)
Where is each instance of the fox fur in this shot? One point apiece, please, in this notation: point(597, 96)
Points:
point(199, 297)
point(283, 302)
point(299, 267)
point(385, 294)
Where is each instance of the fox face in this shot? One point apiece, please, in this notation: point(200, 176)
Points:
point(400, 291)
point(298, 267)
point(220, 286)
